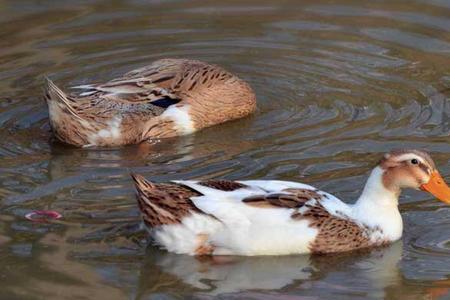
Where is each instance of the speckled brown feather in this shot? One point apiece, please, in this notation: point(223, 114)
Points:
point(228, 97)
point(169, 203)
point(213, 95)
point(335, 233)
point(163, 203)
point(223, 185)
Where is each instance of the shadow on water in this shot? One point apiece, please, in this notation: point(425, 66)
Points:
point(338, 83)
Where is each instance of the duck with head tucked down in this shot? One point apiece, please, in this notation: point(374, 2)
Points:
point(271, 217)
point(168, 98)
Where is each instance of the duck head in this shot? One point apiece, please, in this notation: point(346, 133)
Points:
point(415, 169)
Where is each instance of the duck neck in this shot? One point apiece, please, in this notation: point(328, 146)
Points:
point(377, 207)
point(375, 193)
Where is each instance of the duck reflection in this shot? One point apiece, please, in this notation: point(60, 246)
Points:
point(172, 273)
point(201, 149)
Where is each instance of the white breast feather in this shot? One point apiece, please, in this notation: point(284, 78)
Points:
point(180, 116)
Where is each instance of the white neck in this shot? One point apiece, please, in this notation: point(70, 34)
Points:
point(378, 207)
point(375, 191)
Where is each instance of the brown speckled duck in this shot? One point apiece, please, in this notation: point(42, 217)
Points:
point(168, 98)
point(269, 217)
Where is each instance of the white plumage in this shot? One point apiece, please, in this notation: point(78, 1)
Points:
point(272, 217)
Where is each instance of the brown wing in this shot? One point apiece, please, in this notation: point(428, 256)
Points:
point(213, 94)
point(161, 72)
point(336, 234)
point(288, 198)
point(165, 78)
point(223, 185)
point(163, 83)
point(148, 85)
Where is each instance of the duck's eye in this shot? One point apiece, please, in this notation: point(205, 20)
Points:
point(414, 161)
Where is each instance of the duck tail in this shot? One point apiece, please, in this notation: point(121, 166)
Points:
point(147, 205)
point(55, 94)
point(158, 204)
point(141, 183)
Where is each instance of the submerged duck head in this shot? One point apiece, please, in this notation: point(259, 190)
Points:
point(410, 168)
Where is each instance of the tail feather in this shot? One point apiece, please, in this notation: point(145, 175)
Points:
point(140, 182)
point(54, 93)
point(163, 204)
point(152, 213)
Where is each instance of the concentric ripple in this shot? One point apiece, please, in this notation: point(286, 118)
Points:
point(337, 85)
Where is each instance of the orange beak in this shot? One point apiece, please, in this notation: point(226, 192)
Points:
point(437, 187)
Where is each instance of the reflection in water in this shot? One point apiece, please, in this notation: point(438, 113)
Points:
point(219, 275)
point(225, 275)
point(337, 84)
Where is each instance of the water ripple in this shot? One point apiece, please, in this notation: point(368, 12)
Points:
point(337, 85)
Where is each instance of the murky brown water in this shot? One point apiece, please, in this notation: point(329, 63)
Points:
point(337, 85)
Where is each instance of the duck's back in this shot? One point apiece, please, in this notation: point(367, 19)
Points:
point(170, 97)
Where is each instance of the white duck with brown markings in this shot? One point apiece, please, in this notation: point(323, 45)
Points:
point(270, 217)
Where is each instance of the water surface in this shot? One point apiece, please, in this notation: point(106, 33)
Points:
point(338, 83)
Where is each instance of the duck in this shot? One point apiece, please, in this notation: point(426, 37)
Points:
point(273, 217)
point(168, 98)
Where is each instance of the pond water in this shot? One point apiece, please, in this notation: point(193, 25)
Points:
point(338, 83)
